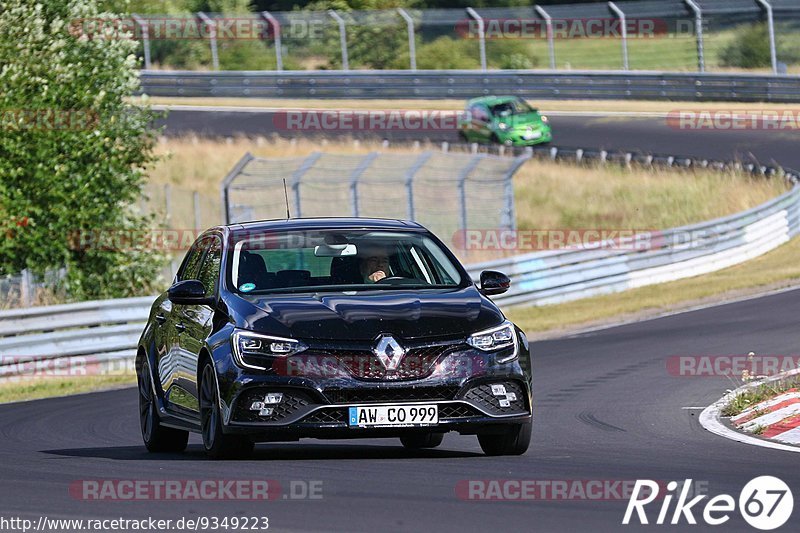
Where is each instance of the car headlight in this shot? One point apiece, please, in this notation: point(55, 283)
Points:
point(502, 125)
point(495, 339)
point(544, 119)
point(249, 344)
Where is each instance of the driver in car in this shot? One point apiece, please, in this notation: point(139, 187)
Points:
point(374, 265)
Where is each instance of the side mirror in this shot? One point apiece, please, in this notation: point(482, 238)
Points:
point(189, 292)
point(493, 283)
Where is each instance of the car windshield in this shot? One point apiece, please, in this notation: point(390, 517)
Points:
point(339, 260)
point(512, 107)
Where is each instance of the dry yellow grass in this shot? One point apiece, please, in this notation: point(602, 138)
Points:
point(548, 195)
point(31, 389)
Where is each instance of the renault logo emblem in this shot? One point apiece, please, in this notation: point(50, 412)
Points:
point(389, 352)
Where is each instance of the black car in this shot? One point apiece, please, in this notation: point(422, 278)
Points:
point(330, 328)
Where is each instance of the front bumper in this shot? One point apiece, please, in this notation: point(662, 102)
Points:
point(317, 406)
point(527, 136)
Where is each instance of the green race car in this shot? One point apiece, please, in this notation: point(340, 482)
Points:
point(508, 120)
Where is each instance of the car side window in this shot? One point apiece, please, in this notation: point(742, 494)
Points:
point(209, 272)
point(191, 265)
point(479, 113)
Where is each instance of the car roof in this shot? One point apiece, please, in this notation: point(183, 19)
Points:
point(492, 100)
point(325, 223)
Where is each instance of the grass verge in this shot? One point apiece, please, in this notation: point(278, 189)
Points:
point(31, 389)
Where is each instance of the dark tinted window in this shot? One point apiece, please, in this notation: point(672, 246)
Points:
point(191, 265)
point(209, 273)
point(346, 260)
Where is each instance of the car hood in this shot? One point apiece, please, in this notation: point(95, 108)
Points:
point(365, 315)
point(527, 119)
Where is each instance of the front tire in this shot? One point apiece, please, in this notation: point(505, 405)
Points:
point(157, 438)
point(514, 441)
point(419, 441)
point(217, 444)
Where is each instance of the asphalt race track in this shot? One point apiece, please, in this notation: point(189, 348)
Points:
point(605, 409)
point(649, 135)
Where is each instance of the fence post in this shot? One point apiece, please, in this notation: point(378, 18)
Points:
point(167, 203)
point(212, 38)
point(509, 219)
point(142, 23)
point(548, 22)
point(26, 288)
point(623, 23)
point(342, 37)
point(297, 176)
point(771, 25)
point(412, 45)
point(698, 22)
point(357, 173)
point(226, 183)
point(276, 26)
point(196, 206)
point(462, 190)
point(411, 173)
point(481, 35)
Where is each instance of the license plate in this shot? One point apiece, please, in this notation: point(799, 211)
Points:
point(393, 415)
point(532, 135)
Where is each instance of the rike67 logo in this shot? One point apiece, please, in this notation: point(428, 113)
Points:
point(765, 503)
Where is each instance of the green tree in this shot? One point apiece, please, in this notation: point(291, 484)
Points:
point(73, 148)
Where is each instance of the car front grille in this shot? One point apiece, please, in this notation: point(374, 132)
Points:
point(457, 410)
point(395, 394)
point(417, 363)
point(490, 400)
point(327, 416)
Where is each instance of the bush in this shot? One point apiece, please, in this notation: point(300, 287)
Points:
point(749, 49)
point(73, 150)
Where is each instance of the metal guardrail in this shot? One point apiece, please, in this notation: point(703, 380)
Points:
point(99, 333)
point(437, 84)
point(552, 277)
